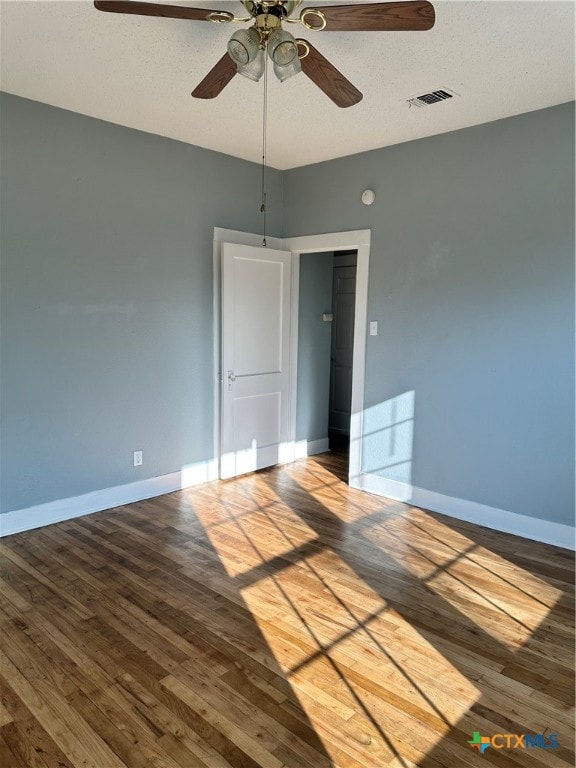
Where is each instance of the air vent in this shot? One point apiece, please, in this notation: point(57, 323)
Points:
point(431, 98)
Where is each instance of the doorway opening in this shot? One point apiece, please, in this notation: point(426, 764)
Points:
point(342, 349)
point(326, 324)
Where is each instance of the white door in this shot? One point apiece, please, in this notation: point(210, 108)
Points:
point(255, 424)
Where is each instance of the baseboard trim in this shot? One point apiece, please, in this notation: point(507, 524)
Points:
point(20, 520)
point(108, 498)
point(303, 448)
point(558, 534)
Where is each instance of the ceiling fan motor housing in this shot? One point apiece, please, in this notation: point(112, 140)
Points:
point(273, 7)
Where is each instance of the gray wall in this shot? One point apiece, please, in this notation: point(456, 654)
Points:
point(107, 302)
point(107, 298)
point(470, 382)
point(314, 336)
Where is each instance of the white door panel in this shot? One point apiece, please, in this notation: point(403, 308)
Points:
point(256, 285)
point(257, 318)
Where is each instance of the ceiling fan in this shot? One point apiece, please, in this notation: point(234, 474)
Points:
point(289, 55)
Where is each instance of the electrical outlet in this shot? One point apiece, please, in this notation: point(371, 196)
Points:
point(137, 458)
point(373, 328)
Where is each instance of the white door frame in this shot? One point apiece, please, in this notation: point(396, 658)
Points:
point(358, 240)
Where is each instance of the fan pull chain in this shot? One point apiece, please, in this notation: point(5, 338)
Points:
point(264, 127)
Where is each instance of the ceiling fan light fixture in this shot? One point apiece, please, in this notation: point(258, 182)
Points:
point(255, 68)
point(282, 48)
point(267, 17)
point(283, 73)
point(244, 45)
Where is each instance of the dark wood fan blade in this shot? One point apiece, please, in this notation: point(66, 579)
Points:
point(376, 17)
point(216, 80)
point(329, 79)
point(153, 9)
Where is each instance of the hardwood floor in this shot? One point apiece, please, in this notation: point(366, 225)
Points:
point(282, 619)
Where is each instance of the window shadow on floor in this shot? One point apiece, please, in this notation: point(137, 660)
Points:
point(473, 628)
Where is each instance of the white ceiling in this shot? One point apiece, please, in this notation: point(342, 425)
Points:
point(502, 58)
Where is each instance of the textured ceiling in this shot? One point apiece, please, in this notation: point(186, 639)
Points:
point(501, 58)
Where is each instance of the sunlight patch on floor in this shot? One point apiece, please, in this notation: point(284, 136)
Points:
point(376, 672)
point(347, 662)
point(425, 525)
point(246, 538)
point(502, 602)
point(346, 504)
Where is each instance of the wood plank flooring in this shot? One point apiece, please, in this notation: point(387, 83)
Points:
point(282, 619)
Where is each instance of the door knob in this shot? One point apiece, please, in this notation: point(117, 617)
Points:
point(231, 378)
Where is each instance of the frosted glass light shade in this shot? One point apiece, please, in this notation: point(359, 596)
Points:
point(283, 73)
point(244, 45)
point(282, 47)
point(255, 68)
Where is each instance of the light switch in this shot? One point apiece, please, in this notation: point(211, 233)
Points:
point(373, 328)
